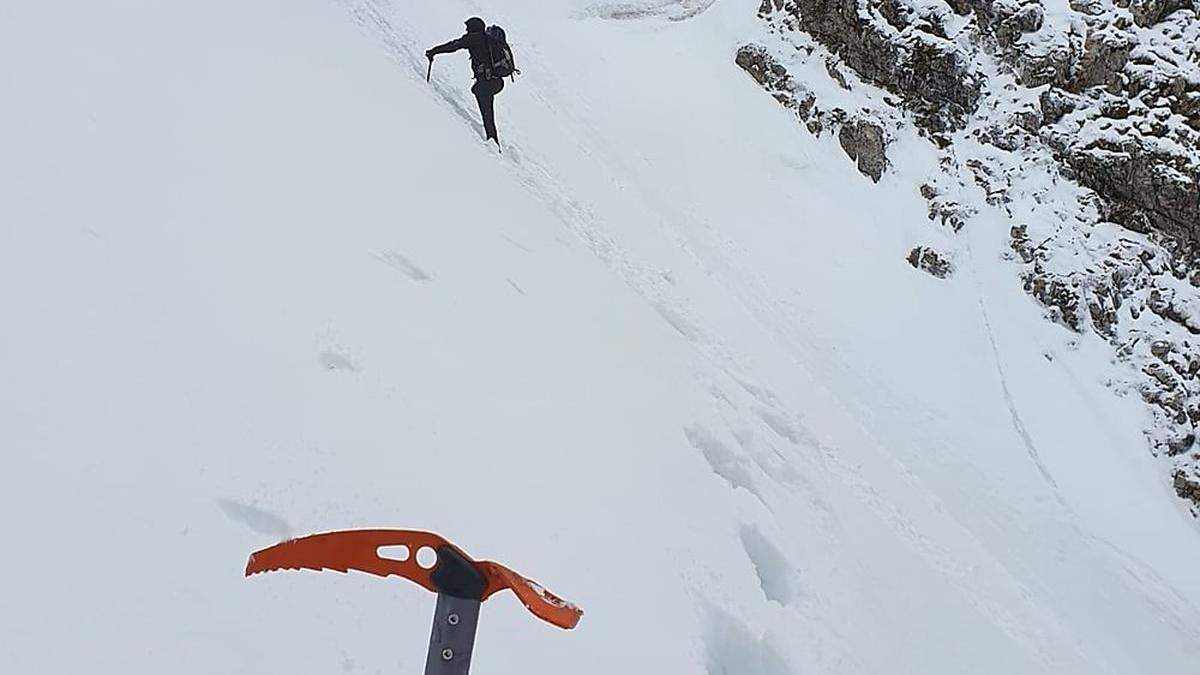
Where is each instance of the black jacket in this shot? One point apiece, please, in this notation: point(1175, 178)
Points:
point(477, 44)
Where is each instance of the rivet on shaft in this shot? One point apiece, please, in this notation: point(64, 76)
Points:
point(447, 654)
point(452, 619)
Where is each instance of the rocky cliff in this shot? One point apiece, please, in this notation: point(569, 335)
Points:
point(1079, 120)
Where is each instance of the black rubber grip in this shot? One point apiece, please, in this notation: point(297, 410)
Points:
point(455, 575)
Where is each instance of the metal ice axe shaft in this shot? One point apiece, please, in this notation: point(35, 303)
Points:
point(456, 616)
point(461, 583)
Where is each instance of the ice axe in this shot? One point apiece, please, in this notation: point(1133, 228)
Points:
point(461, 583)
point(429, 72)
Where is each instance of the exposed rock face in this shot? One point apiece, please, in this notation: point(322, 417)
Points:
point(865, 143)
point(1126, 118)
point(1149, 12)
point(1105, 54)
point(929, 260)
point(898, 46)
point(1187, 485)
point(763, 67)
point(1147, 189)
point(943, 209)
point(1123, 109)
point(862, 139)
point(1059, 295)
point(1090, 115)
point(1010, 19)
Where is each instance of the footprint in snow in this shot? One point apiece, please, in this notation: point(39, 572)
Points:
point(516, 243)
point(677, 320)
point(731, 646)
point(259, 520)
point(776, 575)
point(331, 360)
point(724, 462)
point(403, 265)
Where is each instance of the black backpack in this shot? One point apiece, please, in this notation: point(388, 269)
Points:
point(500, 54)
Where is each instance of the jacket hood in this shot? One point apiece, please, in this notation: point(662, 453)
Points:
point(475, 25)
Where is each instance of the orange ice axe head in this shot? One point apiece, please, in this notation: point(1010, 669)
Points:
point(460, 582)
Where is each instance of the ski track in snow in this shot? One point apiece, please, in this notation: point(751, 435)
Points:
point(1018, 423)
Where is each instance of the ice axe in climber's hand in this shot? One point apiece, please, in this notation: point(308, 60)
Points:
point(429, 55)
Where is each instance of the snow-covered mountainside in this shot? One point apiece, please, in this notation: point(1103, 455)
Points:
point(1079, 122)
point(670, 354)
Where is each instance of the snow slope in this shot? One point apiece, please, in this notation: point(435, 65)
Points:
point(664, 355)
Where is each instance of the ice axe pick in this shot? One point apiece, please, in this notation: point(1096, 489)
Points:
point(461, 583)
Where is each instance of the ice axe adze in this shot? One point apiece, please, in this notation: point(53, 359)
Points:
point(461, 583)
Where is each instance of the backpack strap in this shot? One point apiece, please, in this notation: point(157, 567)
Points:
point(491, 62)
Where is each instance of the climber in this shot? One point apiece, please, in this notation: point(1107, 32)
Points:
point(491, 62)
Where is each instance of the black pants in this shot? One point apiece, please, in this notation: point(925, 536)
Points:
point(485, 91)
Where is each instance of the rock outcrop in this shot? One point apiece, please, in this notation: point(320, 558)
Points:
point(863, 140)
point(929, 260)
point(866, 144)
point(1126, 119)
point(899, 46)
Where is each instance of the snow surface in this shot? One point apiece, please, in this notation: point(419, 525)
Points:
point(663, 355)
